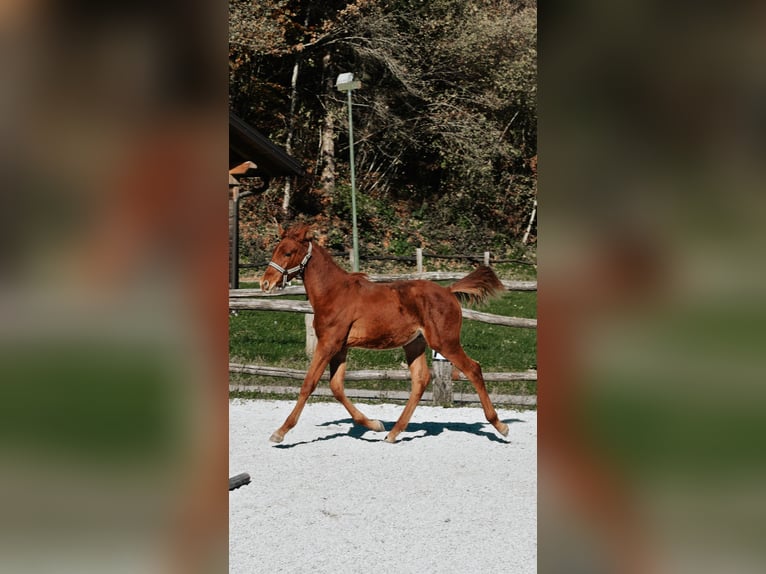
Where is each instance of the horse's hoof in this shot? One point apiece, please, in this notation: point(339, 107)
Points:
point(502, 428)
point(389, 439)
point(276, 437)
point(377, 426)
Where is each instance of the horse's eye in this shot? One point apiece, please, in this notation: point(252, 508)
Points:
point(289, 253)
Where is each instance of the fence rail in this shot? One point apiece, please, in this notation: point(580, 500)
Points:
point(305, 307)
point(368, 375)
point(431, 276)
point(254, 299)
point(386, 395)
point(410, 258)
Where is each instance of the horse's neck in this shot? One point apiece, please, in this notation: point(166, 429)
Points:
point(322, 275)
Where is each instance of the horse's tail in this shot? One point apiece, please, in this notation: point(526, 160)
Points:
point(478, 286)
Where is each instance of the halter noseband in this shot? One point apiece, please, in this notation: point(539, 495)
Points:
point(297, 270)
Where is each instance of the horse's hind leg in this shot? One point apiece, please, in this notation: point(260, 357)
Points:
point(337, 372)
point(416, 359)
point(457, 356)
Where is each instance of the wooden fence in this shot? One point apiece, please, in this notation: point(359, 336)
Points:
point(429, 275)
point(305, 307)
point(418, 259)
point(441, 372)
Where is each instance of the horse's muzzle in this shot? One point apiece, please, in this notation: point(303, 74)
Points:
point(268, 286)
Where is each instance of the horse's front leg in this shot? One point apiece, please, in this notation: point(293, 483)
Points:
point(318, 364)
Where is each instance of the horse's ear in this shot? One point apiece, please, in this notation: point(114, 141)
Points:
point(308, 233)
point(279, 228)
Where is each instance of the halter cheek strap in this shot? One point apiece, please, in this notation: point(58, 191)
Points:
point(295, 271)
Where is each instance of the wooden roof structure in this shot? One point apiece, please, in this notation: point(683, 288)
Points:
point(248, 144)
point(251, 154)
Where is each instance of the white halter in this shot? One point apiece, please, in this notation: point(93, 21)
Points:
point(297, 270)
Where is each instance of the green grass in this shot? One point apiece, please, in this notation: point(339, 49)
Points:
point(278, 339)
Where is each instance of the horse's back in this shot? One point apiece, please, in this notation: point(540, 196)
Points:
point(388, 315)
point(424, 298)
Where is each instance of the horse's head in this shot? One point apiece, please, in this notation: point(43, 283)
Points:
point(289, 258)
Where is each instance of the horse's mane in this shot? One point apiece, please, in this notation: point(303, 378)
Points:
point(298, 232)
point(305, 232)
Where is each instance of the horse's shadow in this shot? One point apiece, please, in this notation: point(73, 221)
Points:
point(429, 429)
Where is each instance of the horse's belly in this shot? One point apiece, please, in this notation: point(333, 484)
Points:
point(379, 336)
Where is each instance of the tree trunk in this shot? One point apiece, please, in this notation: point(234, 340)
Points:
point(327, 145)
point(290, 130)
point(291, 119)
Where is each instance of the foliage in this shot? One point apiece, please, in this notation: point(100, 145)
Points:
point(444, 125)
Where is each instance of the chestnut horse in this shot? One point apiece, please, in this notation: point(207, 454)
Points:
point(351, 311)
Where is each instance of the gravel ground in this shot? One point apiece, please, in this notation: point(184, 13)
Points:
point(451, 496)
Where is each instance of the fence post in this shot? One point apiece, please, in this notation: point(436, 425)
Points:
point(486, 258)
point(442, 383)
point(234, 238)
point(311, 336)
point(419, 259)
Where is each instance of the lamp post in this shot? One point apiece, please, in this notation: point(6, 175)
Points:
point(346, 83)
